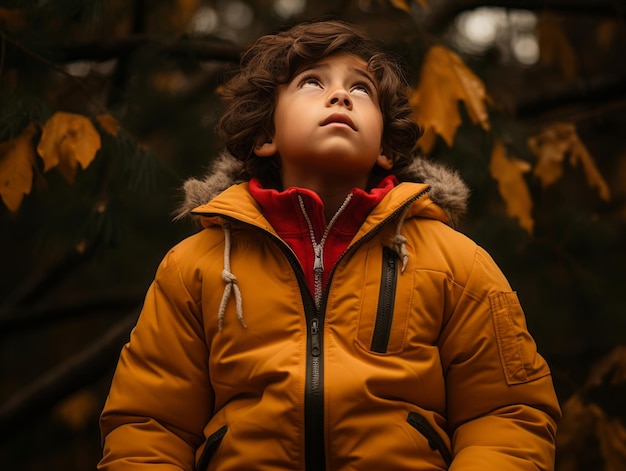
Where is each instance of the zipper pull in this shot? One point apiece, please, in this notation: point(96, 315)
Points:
point(315, 337)
point(318, 274)
point(318, 265)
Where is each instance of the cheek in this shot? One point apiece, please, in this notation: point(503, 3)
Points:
point(375, 125)
point(375, 116)
point(285, 114)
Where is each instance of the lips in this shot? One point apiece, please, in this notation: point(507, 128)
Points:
point(339, 118)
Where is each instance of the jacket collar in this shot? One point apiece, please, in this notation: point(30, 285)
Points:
point(447, 200)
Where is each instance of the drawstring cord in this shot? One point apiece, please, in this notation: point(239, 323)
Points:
point(231, 284)
point(398, 243)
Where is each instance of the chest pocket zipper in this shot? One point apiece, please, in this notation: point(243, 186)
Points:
point(386, 301)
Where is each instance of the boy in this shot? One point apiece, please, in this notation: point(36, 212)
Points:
point(326, 317)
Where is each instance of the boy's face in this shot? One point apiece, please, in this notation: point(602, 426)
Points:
point(328, 124)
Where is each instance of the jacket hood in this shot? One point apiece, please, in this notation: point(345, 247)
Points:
point(447, 189)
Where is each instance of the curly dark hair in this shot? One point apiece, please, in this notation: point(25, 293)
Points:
point(274, 59)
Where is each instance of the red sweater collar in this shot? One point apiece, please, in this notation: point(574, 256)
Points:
point(282, 210)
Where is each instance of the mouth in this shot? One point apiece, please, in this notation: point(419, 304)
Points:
point(339, 118)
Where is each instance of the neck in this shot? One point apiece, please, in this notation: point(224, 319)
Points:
point(332, 189)
point(332, 202)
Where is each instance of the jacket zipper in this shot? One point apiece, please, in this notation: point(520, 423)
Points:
point(314, 449)
point(318, 247)
point(386, 301)
point(314, 396)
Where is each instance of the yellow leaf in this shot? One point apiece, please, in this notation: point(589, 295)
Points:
point(67, 141)
point(109, 124)
point(17, 158)
point(402, 5)
point(405, 4)
point(575, 429)
point(444, 81)
point(428, 140)
point(550, 148)
point(171, 16)
point(585, 421)
point(185, 9)
point(607, 32)
point(554, 47)
point(553, 146)
point(169, 81)
point(508, 172)
point(612, 437)
point(594, 178)
point(78, 411)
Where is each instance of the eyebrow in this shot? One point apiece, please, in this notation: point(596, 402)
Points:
point(360, 72)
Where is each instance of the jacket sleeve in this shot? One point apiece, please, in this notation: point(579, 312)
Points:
point(160, 398)
point(502, 407)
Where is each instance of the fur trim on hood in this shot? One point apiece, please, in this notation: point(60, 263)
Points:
point(447, 189)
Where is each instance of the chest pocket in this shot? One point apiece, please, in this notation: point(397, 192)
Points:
point(383, 321)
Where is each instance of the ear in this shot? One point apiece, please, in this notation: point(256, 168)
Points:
point(265, 147)
point(384, 162)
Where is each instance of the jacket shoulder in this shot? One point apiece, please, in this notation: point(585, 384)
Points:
point(188, 261)
point(438, 246)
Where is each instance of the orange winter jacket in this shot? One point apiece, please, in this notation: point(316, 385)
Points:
point(423, 367)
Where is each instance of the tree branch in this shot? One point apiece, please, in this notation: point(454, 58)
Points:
point(592, 93)
point(53, 65)
point(201, 49)
point(29, 404)
point(440, 17)
point(40, 282)
point(40, 317)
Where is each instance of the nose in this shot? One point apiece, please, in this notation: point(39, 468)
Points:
point(339, 96)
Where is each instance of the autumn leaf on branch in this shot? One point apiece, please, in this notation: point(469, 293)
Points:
point(77, 410)
point(67, 141)
point(109, 124)
point(553, 146)
point(509, 173)
point(588, 417)
point(17, 159)
point(585, 422)
point(405, 5)
point(555, 49)
point(444, 81)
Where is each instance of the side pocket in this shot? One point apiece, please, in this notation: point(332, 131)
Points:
point(212, 444)
point(436, 443)
point(518, 353)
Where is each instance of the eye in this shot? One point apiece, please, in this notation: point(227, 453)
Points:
point(310, 81)
point(362, 87)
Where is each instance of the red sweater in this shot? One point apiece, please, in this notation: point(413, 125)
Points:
point(282, 209)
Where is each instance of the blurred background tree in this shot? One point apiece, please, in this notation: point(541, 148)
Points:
point(107, 106)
